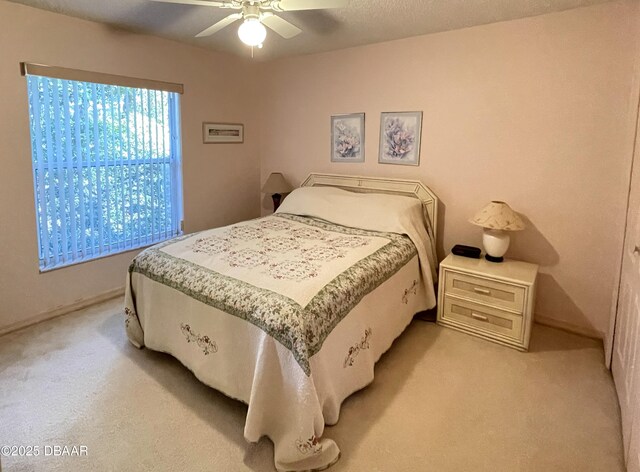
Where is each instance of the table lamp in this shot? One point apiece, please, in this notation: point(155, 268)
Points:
point(497, 219)
point(276, 185)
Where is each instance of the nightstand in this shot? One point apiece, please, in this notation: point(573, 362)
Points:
point(487, 299)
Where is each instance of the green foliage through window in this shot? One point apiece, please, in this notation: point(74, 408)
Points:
point(106, 168)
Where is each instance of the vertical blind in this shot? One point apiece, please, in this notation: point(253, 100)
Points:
point(106, 168)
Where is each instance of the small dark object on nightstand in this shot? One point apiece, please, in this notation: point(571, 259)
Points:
point(466, 251)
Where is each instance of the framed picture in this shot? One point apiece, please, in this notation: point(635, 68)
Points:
point(222, 133)
point(347, 138)
point(400, 138)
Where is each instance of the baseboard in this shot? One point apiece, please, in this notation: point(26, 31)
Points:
point(563, 325)
point(63, 310)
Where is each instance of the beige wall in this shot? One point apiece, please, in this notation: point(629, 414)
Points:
point(221, 181)
point(538, 112)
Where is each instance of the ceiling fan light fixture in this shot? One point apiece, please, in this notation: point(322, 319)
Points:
point(252, 32)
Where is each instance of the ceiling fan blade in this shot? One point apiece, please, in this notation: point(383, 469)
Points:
point(219, 25)
point(203, 3)
point(280, 25)
point(291, 5)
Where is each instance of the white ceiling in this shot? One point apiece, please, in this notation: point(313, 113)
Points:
point(362, 22)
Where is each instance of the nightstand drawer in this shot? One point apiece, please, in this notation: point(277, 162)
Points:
point(482, 317)
point(496, 293)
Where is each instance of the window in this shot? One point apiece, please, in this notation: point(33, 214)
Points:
point(106, 167)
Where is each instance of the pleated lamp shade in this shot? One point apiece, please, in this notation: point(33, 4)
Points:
point(498, 215)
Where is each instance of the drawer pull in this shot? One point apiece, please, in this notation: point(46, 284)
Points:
point(483, 291)
point(479, 317)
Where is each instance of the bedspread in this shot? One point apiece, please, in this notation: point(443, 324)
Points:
point(249, 307)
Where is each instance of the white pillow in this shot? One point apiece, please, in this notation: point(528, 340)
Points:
point(374, 211)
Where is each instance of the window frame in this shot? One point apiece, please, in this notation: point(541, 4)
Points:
point(49, 262)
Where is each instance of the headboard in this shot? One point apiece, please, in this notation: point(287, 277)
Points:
point(410, 188)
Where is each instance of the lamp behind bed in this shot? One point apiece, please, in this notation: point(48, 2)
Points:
point(276, 185)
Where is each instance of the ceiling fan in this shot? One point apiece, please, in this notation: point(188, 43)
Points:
point(257, 14)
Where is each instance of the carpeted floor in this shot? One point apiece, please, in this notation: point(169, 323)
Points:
point(442, 401)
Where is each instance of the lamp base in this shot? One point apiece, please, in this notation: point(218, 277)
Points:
point(496, 243)
point(493, 259)
point(276, 197)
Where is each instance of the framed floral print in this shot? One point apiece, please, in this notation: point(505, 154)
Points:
point(347, 138)
point(400, 138)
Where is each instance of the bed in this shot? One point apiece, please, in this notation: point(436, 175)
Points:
point(289, 313)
